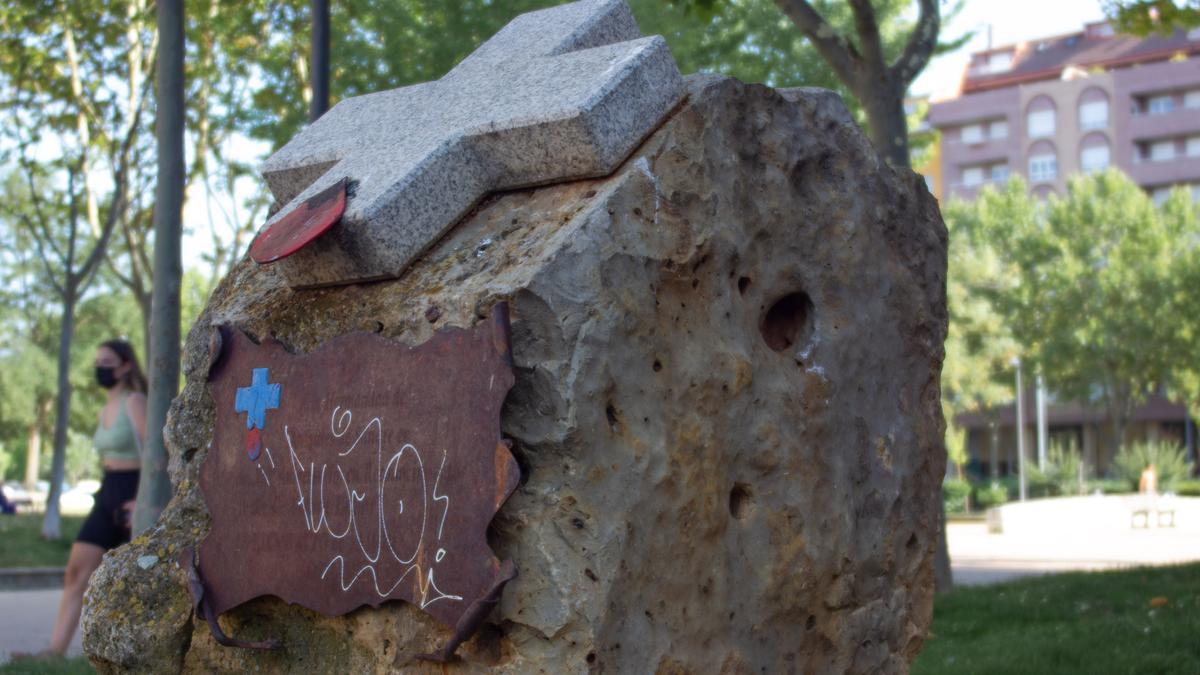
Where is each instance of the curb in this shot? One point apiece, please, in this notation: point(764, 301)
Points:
point(31, 578)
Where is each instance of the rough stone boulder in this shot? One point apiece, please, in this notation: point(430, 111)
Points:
point(726, 410)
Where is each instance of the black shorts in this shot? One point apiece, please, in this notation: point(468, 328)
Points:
point(107, 525)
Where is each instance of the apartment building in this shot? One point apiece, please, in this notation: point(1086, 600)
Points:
point(1050, 108)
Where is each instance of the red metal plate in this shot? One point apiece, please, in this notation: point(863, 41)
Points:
point(305, 223)
point(362, 472)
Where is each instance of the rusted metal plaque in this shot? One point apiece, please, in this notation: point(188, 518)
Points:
point(307, 222)
point(363, 472)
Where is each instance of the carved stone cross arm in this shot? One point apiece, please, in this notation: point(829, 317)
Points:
point(563, 93)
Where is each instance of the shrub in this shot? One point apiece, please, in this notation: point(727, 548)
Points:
point(1012, 485)
point(1168, 459)
point(1108, 486)
point(955, 494)
point(1061, 475)
point(987, 496)
point(1187, 488)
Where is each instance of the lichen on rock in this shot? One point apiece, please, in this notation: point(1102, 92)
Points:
point(726, 410)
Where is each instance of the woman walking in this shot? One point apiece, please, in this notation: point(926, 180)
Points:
point(118, 441)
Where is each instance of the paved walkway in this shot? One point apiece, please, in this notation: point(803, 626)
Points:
point(978, 557)
point(26, 620)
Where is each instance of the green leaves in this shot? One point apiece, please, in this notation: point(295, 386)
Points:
point(1143, 17)
point(1095, 287)
point(1168, 459)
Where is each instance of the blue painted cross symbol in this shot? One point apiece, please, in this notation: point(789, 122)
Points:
point(257, 399)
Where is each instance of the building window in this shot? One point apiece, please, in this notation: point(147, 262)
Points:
point(1193, 146)
point(1095, 158)
point(1093, 115)
point(999, 173)
point(1160, 105)
point(998, 130)
point(1041, 123)
point(972, 176)
point(972, 133)
point(1162, 151)
point(1191, 100)
point(1043, 168)
point(1160, 195)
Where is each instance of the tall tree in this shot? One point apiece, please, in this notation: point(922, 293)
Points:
point(26, 394)
point(154, 486)
point(976, 374)
point(221, 40)
point(1094, 281)
point(74, 116)
point(70, 270)
point(1181, 215)
point(1143, 17)
point(878, 80)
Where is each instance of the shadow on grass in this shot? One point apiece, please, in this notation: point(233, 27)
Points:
point(1144, 620)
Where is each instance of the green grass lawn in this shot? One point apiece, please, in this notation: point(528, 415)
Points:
point(1101, 622)
point(75, 666)
point(21, 543)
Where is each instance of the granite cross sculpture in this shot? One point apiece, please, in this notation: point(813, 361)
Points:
point(562, 93)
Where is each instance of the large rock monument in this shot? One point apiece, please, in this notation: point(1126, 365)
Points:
point(725, 407)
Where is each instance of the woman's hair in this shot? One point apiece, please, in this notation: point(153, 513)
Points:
point(133, 380)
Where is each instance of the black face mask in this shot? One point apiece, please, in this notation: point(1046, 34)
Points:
point(105, 377)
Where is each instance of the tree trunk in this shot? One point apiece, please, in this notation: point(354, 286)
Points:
point(33, 451)
point(154, 486)
point(943, 579)
point(887, 124)
point(1119, 412)
point(144, 309)
point(51, 525)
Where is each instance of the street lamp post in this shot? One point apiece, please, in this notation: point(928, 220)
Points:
point(1041, 423)
point(1020, 429)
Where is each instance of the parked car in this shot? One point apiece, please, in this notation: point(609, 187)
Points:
point(79, 499)
point(88, 485)
point(17, 495)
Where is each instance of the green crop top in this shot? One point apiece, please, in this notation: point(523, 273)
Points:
point(117, 441)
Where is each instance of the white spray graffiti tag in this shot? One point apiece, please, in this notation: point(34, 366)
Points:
point(310, 481)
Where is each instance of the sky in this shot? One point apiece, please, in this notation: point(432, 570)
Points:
point(1011, 21)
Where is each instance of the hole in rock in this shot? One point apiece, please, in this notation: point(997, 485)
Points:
point(811, 623)
point(611, 413)
point(788, 321)
point(591, 657)
point(743, 284)
point(739, 500)
point(657, 365)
